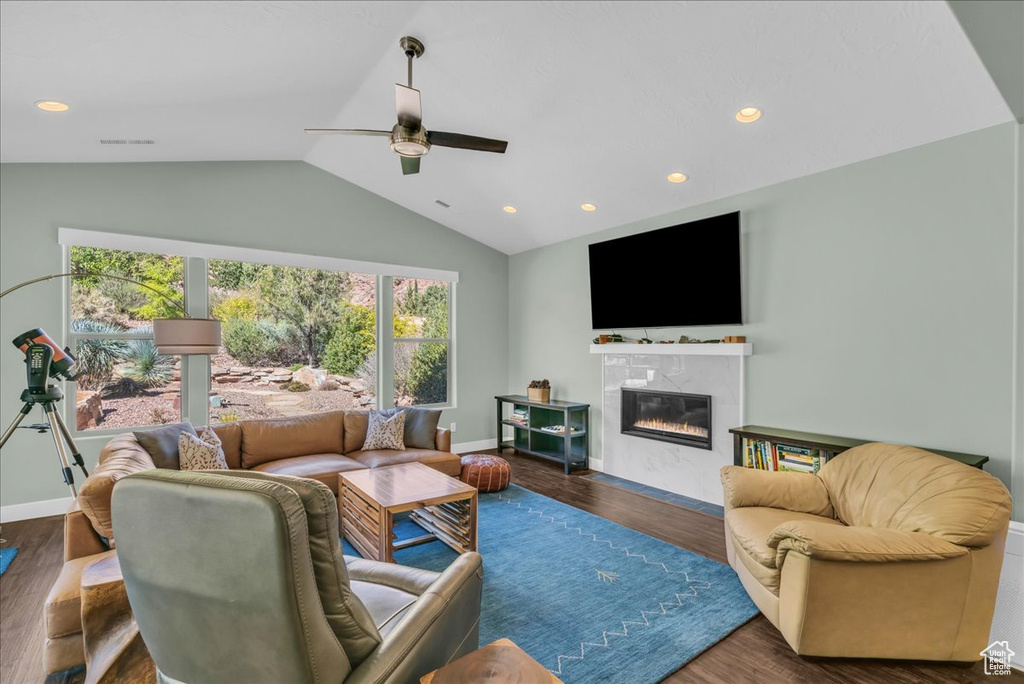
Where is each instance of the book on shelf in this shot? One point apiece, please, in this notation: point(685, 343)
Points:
point(520, 416)
point(764, 455)
point(558, 429)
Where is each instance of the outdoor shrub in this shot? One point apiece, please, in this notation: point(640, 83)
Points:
point(239, 306)
point(123, 387)
point(295, 366)
point(329, 386)
point(161, 415)
point(251, 342)
point(295, 386)
point(96, 358)
point(352, 340)
point(146, 366)
point(228, 417)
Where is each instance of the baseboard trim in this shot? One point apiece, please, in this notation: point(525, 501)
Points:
point(479, 445)
point(34, 509)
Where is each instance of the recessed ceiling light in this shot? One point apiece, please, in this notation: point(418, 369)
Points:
point(509, 209)
point(677, 177)
point(52, 106)
point(748, 115)
point(588, 207)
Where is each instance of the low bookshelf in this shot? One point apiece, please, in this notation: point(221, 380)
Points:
point(768, 448)
point(555, 430)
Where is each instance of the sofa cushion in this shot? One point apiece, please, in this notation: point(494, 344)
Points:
point(120, 457)
point(750, 528)
point(321, 467)
point(162, 443)
point(356, 423)
point(62, 611)
point(444, 461)
point(231, 440)
point(421, 427)
point(270, 440)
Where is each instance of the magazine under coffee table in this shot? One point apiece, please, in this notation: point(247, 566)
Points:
point(369, 499)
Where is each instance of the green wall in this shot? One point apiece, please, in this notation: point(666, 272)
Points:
point(878, 297)
point(288, 206)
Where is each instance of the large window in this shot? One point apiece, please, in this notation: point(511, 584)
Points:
point(296, 340)
point(301, 334)
point(122, 381)
point(422, 342)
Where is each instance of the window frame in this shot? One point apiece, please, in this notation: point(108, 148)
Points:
point(195, 375)
point(450, 341)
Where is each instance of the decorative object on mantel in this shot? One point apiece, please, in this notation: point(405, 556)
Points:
point(734, 339)
point(686, 339)
point(539, 390)
point(608, 339)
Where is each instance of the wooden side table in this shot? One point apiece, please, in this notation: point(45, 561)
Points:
point(501, 662)
point(114, 651)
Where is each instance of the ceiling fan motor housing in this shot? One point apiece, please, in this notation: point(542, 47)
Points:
point(409, 142)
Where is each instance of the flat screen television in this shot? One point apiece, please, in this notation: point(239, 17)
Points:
point(678, 276)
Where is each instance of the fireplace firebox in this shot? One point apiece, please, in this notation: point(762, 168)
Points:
point(667, 416)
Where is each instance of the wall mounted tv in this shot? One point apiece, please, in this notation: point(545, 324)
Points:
point(677, 276)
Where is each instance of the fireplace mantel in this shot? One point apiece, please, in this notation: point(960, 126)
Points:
point(711, 349)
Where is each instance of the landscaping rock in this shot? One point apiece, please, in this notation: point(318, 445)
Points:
point(88, 410)
point(217, 371)
point(279, 376)
point(310, 376)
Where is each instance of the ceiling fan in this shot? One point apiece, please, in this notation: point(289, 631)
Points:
point(409, 139)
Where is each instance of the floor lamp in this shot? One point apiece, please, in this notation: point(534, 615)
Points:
point(45, 359)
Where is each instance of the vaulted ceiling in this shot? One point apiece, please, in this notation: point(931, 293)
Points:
point(598, 100)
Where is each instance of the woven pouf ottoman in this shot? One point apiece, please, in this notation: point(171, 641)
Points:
point(485, 472)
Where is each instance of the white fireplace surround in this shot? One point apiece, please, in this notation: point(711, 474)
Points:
point(713, 369)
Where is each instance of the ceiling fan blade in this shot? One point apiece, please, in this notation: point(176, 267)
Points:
point(466, 142)
point(407, 104)
point(410, 165)
point(345, 131)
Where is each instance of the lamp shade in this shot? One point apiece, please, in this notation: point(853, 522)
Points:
point(187, 335)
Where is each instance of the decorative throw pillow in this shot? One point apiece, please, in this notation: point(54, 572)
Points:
point(385, 431)
point(421, 427)
point(162, 443)
point(201, 453)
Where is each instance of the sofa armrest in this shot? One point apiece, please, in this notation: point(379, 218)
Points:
point(857, 544)
point(797, 492)
point(80, 539)
point(409, 580)
point(444, 440)
point(442, 625)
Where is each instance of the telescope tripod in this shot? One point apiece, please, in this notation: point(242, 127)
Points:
point(62, 439)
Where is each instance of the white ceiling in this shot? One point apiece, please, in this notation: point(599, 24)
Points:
point(598, 100)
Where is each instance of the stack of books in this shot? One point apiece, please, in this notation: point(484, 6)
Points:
point(798, 459)
point(763, 455)
point(520, 416)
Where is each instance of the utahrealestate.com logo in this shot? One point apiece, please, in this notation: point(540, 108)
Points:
point(997, 658)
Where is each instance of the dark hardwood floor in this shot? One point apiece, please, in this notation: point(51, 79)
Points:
point(755, 652)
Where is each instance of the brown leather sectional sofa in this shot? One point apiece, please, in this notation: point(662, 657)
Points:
point(315, 446)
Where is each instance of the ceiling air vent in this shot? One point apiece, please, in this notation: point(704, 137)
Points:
point(443, 204)
point(127, 141)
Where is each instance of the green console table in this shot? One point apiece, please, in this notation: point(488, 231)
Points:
point(569, 447)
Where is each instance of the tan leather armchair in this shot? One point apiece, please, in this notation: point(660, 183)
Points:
point(239, 577)
point(888, 552)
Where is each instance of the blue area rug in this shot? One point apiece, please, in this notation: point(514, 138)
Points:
point(6, 556)
point(592, 601)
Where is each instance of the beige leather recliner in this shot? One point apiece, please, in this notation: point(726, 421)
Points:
point(888, 552)
point(239, 577)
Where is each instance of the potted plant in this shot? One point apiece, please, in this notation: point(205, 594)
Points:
point(539, 391)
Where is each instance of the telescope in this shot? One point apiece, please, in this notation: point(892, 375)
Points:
point(62, 364)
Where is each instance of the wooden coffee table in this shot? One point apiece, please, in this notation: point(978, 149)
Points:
point(369, 499)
